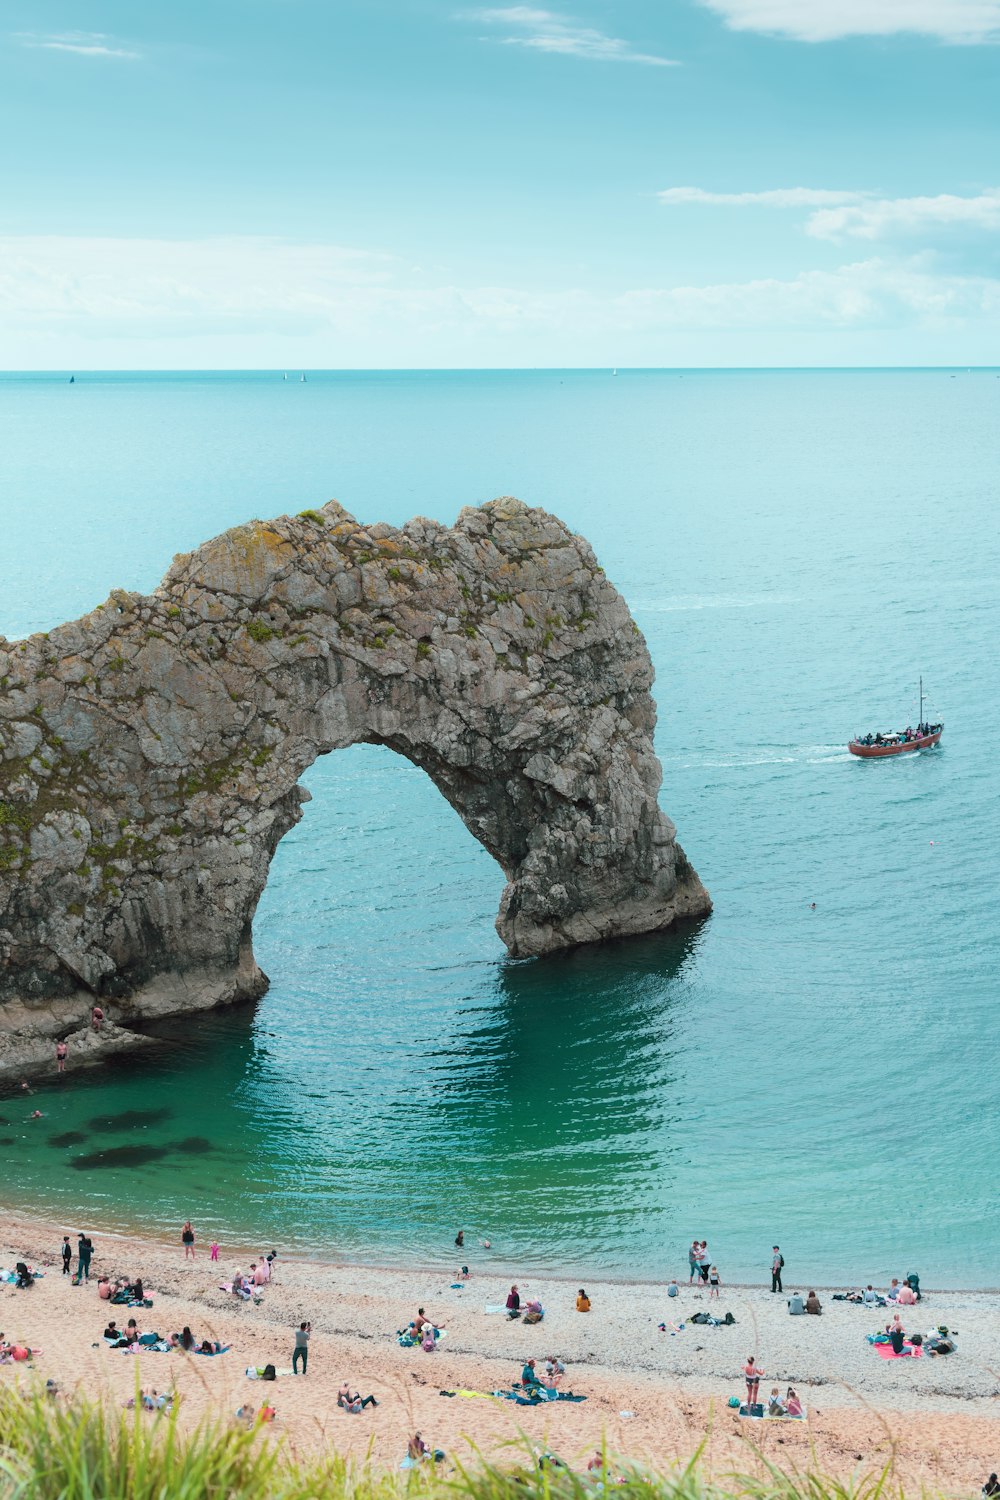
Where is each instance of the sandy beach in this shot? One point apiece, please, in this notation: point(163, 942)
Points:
point(652, 1395)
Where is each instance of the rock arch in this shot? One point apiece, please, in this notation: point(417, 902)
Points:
point(151, 751)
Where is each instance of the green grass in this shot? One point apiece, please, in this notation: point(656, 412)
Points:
point(57, 1449)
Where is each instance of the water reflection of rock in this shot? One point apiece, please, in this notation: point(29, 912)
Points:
point(562, 1095)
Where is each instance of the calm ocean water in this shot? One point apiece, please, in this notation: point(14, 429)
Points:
point(797, 548)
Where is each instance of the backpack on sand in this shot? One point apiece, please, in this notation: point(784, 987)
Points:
point(269, 1373)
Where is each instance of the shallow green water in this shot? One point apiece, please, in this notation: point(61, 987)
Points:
point(796, 547)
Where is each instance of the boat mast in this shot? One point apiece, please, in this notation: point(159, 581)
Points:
point(921, 719)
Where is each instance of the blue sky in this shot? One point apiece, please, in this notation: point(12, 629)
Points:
point(370, 183)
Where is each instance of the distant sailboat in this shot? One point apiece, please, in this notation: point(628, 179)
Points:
point(614, 372)
point(72, 380)
point(285, 376)
point(303, 379)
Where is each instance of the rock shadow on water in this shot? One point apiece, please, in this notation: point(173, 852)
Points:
point(68, 1138)
point(193, 1145)
point(129, 1119)
point(119, 1156)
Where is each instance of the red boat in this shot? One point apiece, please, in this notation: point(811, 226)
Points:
point(899, 742)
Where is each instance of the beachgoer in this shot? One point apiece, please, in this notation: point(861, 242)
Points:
point(694, 1255)
point(775, 1407)
point(991, 1487)
point(353, 1401)
point(897, 1322)
point(777, 1264)
point(85, 1250)
point(714, 1282)
point(907, 1296)
point(96, 1017)
point(869, 1296)
point(62, 1052)
point(67, 1255)
point(104, 1288)
point(187, 1240)
point(595, 1462)
point(813, 1304)
point(752, 1372)
point(793, 1406)
point(896, 1339)
point(259, 1277)
point(673, 1290)
point(554, 1370)
point(582, 1301)
point(422, 1318)
point(301, 1350)
point(703, 1261)
point(112, 1331)
point(485, 1244)
point(528, 1377)
point(893, 1292)
point(513, 1302)
point(460, 1238)
point(796, 1305)
point(462, 1274)
point(213, 1250)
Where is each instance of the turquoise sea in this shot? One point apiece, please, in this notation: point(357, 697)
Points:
point(797, 547)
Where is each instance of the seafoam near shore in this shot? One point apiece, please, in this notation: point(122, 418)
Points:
point(652, 1395)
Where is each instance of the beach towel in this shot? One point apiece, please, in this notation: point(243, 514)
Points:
point(752, 1416)
point(495, 1307)
point(886, 1351)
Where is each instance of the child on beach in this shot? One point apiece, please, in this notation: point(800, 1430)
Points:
point(213, 1250)
point(793, 1406)
point(714, 1282)
point(774, 1405)
point(582, 1301)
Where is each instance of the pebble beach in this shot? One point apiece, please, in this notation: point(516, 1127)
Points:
point(652, 1394)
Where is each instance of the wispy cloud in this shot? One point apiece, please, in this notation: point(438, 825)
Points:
point(83, 43)
point(956, 21)
point(795, 197)
point(548, 31)
point(163, 291)
point(886, 217)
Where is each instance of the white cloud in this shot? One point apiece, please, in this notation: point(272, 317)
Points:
point(797, 197)
point(84, 43)
point(906, 216)
point(254, 301)
point(547, 31)
point(956, 21)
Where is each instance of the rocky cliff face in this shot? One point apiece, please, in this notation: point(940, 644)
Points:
point(151, 751)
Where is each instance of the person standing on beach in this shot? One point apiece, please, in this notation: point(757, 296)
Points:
point(694, 1256)
point(85, 1250)
point(777, 1262)
point(187, 1240)
point(753, 1373)
point(67, 1254)
point(704, 1263)
point(301, 1350)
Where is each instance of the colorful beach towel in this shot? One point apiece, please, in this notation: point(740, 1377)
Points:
point(749, 1416)
point(886, 1351)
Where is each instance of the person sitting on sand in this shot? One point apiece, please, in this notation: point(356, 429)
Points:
point(582, 1301)
point(533, 1311)
point(906, 1297)
point(112, 1331)
point(462, 1274)
point(417, 1450)
point(353, 1401)
point(420, 1320)
point(104, 1289)
point(893, 1291)
point(896, 1339)
point(138, 1295)
point(870, 1296)
point(813, 1304)
point(554, 1370)
point(793, 1406)
point(775, 1406)
point(673, 1290)
point(513, 1301)
point(25, 1276)
point(529, 1379)
point(991, 1487)
point(595, 1462)
point(183, 1340)
point(796, 1304)
point(133, 1332)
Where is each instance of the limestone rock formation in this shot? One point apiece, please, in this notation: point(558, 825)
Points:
point(151, 751)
